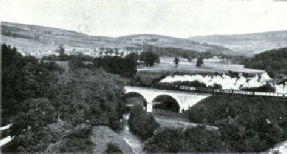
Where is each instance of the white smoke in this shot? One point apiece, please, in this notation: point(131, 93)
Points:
point(227, 82)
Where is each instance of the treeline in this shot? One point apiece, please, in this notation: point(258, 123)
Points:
point(124, 66)
point(54, 110)
point(176, 52)
point(273, 61)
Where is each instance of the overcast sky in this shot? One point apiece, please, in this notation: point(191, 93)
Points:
point(179, 18)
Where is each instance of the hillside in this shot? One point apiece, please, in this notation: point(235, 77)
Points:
point(247, 44)
point(39, 38)
point(167, 41)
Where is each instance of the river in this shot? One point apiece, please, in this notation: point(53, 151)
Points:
point(134, 141)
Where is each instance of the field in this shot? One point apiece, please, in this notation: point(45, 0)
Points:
point(210, 66)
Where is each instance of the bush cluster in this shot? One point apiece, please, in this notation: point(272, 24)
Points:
point(196, 139)
point(78, 140)
point(142, 123)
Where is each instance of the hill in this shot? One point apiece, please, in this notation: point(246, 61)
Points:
point(247, 44)
point(172, 42)
point(40, 38)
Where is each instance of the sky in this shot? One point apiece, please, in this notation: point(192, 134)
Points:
point(178, 18)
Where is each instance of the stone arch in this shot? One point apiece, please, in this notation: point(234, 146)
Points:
point(135, 94)
point(170, 102)
point(184, 100)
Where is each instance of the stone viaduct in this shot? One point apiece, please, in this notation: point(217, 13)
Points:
point(185, 100)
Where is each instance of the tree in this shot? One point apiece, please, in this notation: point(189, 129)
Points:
point(196, 139)
point(176, 60)
point(149, 58)
point(199, 62)
point(76, 62)
point(36, 97)
point(126, 67)
point(141, 122)
point(116, 51)
point(133, 57)
point(22, 78)
point(61, 51)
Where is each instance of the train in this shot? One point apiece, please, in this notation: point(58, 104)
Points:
point(227, 91)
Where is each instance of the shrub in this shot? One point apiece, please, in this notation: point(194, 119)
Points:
point(142, 123)
point(196, 139)
point(78, 140)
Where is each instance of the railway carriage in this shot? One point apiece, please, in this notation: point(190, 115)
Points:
point(228, 91)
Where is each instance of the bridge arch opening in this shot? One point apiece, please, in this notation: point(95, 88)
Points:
point(133, 98)
point(166, 102)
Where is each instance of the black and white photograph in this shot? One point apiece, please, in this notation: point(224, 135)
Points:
point(143, 76)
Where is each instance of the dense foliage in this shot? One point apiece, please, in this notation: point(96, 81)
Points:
point(247, 124)
point(126, 67)
point(141, 122)
point(196, 139)
point(77, 140)
point(149, 58)
point(23, 78)
point(273, 61)
point(64, 57)
point(188, 54)
point(51, 109)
